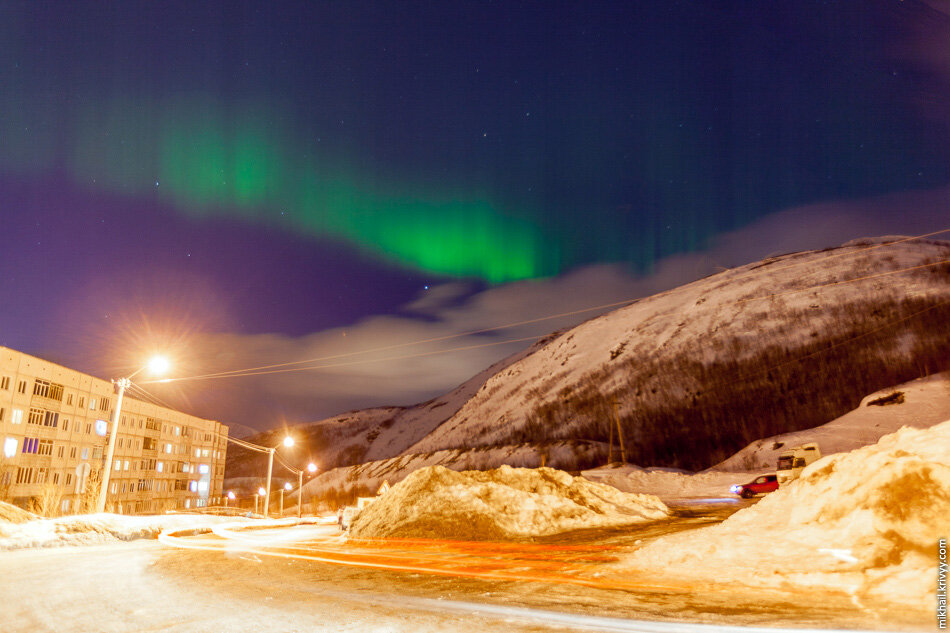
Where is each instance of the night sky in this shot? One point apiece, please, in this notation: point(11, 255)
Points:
point(259, 182)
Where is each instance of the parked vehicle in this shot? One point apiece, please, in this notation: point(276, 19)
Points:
point(759, 485)
point(792, 462)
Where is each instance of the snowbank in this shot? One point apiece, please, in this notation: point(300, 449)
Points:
point(12, 514)
point(866, 522)
point(667, 483)
point(90, 529)
point(502, 504)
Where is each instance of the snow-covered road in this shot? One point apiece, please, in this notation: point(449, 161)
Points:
point(144, 586)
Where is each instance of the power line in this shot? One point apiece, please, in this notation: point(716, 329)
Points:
point(359, 362)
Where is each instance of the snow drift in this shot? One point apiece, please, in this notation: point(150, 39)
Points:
point(91, 529)
point(866, 522)
point(502, 504)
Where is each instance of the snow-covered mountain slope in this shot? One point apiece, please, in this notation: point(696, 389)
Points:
point(720, 352)
point(695, 373)
point(920, 403)
point(368, 435)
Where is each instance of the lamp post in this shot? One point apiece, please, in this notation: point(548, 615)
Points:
point(287, 487)
point(157, 365)
point(311, 468)
point(259, 494)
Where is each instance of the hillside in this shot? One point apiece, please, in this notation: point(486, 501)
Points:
point(695, 373)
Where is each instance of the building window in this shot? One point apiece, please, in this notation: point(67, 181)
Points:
point(9, 447)
point(85, 453)
point(2, 412)
point(24, 475)
point(72, 453)
point(66, 425)
point(97, 452)
point(5, 382)
point(45, 447)
point(104, 404)
point(21, 386)
point(47, 389)
point(30, 445)
point(64, 507)
point(115, 487)
point(88, 428)
point(55, 479)
point(61, 452)
point(69, 400)
point(118, 465)
point(82, 401)
point(41, 417)
point(102, 427)
point(16, 416)
point(126, 464)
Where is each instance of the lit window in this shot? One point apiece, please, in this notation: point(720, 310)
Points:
point(197, 452)
point(203, 486)
point(92, 403)
point(160, 467)
point(126, 464)
point(85, 453)
point(203, 469)
point(102, 427)
point(118, 465)
point(193, 486)
point(16, 416)
point(9, 447)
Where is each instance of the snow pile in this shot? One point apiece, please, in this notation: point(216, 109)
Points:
point(666, 483)
point(90, 529)
point(866, 522)
point(502, 504)
point(12, 514)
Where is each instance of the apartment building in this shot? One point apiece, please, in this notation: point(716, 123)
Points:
point(54, 430)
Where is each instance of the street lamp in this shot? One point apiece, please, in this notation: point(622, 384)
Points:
point(157, 365)
point(287, 487)
point(229, 497)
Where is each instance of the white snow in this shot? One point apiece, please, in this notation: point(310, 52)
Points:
point(864, 522)
point(667, 483)
point(502, 504)
point(88, 529)
point(750, 304)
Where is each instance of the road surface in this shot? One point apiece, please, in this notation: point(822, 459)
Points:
point(305, 578)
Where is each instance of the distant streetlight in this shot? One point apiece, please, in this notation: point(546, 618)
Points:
point(311, 468)
point(157, 365)
point(229, 497)
point(286, 486)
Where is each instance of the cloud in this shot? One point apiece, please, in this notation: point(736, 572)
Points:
point(419, 353)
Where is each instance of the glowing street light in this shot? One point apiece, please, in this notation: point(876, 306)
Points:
point(229, 497)
point(287, 487)
point(156, 366)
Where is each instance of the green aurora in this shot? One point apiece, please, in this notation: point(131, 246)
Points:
point(207, 160)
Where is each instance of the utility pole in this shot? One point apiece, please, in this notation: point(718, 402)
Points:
point(610, 447)
point(623, 452)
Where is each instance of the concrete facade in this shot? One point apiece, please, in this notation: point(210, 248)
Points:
point(54, 429)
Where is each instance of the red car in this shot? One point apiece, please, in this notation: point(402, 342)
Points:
point(759, 485)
